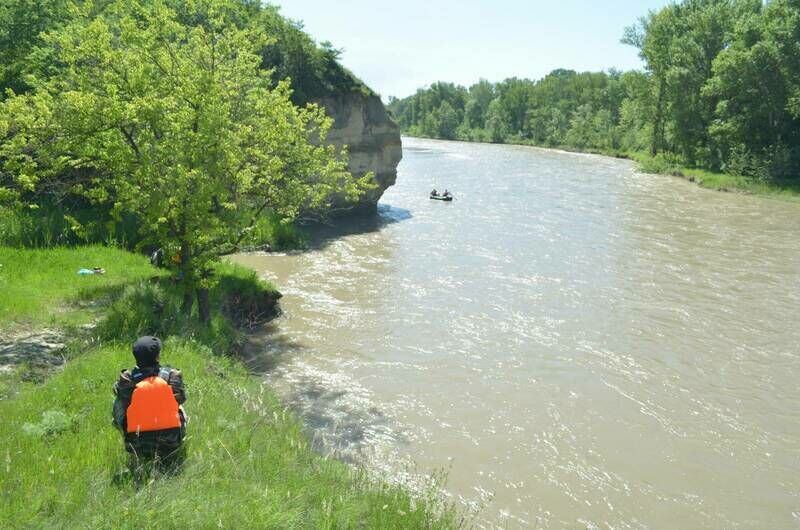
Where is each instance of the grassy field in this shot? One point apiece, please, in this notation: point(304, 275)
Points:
point(248, 462)
point(41, 287)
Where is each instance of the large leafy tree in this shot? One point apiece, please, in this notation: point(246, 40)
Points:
point(175, 122)
point(757, 84)
point(21, 24)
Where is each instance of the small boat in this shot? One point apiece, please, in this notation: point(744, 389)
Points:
point(446, 198)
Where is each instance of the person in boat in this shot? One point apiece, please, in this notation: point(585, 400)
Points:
point(147, 409)
point(434, 193)
point(446, 194)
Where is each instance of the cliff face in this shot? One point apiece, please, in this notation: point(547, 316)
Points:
point(362, 124)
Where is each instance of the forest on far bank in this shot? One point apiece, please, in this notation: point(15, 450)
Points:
point(720, 91)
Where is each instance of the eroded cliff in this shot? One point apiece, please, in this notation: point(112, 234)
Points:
point(362, 123)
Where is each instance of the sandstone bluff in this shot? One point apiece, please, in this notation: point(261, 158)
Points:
point(362, 123)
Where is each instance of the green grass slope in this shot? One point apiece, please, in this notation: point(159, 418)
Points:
point(42, 286)
point(248, 461)
point(248, 465)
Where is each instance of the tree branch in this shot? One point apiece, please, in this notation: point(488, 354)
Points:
point(131, 142)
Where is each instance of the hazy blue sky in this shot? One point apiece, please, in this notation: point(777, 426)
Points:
point(399, 46)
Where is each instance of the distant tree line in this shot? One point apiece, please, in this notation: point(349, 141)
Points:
point(721, 91)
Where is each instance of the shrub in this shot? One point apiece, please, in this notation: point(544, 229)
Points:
point(662, 164)
point(774, 163)
point(53, 423)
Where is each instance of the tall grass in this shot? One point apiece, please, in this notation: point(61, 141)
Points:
point(50, 226)
point(248, 463)
point(151, 307)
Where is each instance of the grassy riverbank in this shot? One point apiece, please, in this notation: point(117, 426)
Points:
point(248, 462)
point(789, 191)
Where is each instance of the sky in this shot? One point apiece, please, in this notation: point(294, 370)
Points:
point(400, 46)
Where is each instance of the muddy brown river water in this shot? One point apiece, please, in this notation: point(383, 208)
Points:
point(575, 344)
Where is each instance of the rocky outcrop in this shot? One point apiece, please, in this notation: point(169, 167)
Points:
point(362, 124)
point(39, 350)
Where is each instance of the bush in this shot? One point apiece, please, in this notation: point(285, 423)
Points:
point(154, 308)
point(53, 423)
point(244, 298)
point(775, 163)
point(742, 162)
point(662, 164)
point(269, 230)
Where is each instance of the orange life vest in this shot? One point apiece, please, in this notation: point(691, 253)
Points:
point(153, 407)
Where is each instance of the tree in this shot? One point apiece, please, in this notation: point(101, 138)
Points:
point(653, 37)
point(448, 121)
point(581, 132)
point(176, 124)
point(21, 23)
point(497, 122)
point(756, 80)
point(480, 96)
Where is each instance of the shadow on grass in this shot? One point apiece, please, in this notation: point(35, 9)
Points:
point(240, 302)
point(103, 295)
point(141, 470)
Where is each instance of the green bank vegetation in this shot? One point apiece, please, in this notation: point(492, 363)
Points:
point(719, 99)
point(187, 126)
point(162, 112)
point(41, 287)
point(248, 463)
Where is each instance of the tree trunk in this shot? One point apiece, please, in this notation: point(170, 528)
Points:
point(658, 126)
point(186, 267)
point(203, 306)
point(188, 302)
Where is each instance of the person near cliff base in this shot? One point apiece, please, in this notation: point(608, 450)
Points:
point(147, 409)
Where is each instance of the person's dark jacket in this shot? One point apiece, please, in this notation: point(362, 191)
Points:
point(153, 442)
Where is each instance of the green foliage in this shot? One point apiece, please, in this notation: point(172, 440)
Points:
point(314, 70)
point(154, 308)
point(28, 54)
point(563, 109)
point(53, 423)
point(721, 91)
point(756, 80)
point(21, 25)
point(179, 126)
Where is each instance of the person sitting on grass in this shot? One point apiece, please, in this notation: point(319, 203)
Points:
point(148, 403)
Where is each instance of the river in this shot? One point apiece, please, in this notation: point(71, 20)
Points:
point(574, 344)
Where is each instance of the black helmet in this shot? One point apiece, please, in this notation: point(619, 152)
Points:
point(146, 351)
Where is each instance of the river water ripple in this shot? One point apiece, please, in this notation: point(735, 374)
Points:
point(576, 344)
